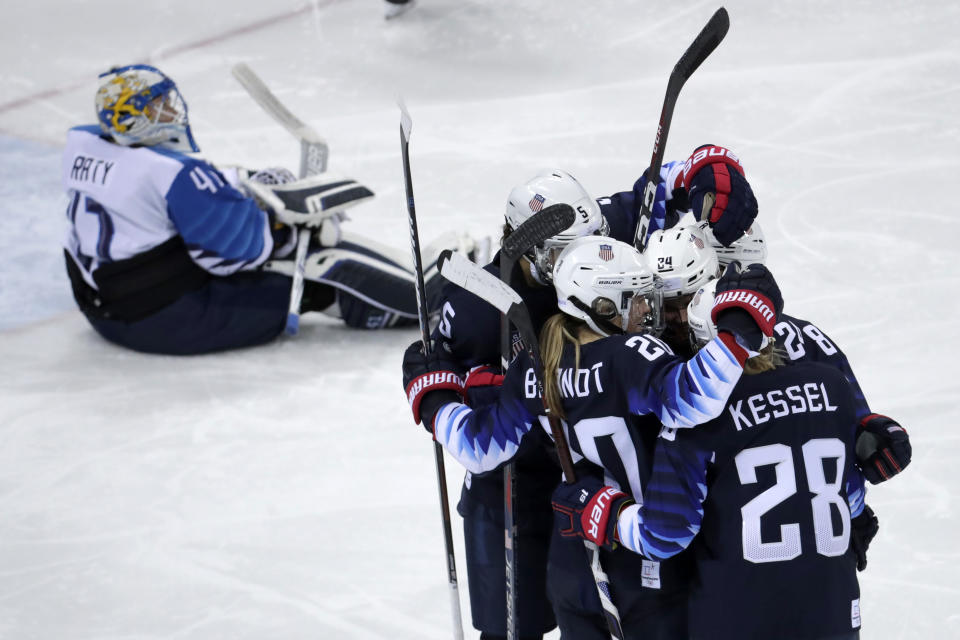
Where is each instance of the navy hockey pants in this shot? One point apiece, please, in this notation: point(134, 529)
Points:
point(645, 614)
point(486, 575)
point(241, 310)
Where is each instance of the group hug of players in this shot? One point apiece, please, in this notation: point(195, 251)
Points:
point(721, 446)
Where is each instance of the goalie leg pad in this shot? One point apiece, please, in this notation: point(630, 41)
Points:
point(362, 274)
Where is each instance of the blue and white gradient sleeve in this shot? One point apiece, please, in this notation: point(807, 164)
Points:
point(482, 439)
point(224, 230)
point(672, 509)
point(856, 491)
point(486, 437)
point(682, 394)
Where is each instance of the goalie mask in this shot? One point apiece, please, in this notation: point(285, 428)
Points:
point(607, 284)
point(543, 190)
point(139, 105)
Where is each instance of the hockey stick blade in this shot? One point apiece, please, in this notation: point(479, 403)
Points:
point(702, 46)
point(542, 225)
point(467, 275)
point(314, 151)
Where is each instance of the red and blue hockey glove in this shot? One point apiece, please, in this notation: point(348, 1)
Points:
point(863, 528)
point(883, 448)
point(482, 386)
point(747, 304)
point(430, 382)
point(731, 206)
point(587, 509)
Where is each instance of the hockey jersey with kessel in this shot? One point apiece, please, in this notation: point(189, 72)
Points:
point(764, 494)
point(126, 201)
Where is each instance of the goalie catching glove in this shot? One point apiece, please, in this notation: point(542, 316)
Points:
point(430, 382)
point(587, 509)
point(309, 201)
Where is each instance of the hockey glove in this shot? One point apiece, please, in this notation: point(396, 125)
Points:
point(747, 304)
point(310, 201)
point(430, 382)
point(883, 448)
point(863, 528)
point(719, 193)
point(587, 509)
point(482, 386)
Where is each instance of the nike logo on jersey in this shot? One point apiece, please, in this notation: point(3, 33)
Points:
point(778, 403)
point(90, 169)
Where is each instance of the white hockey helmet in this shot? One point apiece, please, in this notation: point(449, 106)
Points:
point(750, 248)
point(547, 188)
point(702, 328)
point(138, 104)
point(683, 258)
point(600, 279)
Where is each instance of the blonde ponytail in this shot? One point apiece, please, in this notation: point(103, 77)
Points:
point(558, 330)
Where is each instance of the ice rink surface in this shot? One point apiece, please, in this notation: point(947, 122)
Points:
point(283, 491)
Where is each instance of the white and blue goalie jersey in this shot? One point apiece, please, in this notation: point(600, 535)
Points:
point(128, 201)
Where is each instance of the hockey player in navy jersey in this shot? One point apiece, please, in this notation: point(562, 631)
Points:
point(603, 288)
point(166, 255)
point(768, 496)
point(469, 333)
point(883, 446)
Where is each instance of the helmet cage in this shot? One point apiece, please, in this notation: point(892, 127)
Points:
point(544, 256)
point(639, 310)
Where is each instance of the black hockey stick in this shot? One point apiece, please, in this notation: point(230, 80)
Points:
point(533, 231)
point(484, 285)
point(406, 125)
point(702, 46)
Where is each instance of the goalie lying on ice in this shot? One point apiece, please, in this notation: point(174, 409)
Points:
point(168, 254)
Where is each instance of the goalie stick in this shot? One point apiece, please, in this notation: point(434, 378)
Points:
point(533, 231)
point(702, 46)
point(484, 285)
point(406, 125)
point(314, 151)
point(313, 160)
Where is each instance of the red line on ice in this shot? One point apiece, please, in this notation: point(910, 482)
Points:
point(199, 44)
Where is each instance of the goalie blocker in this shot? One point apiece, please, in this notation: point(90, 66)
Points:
point(309, 201)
